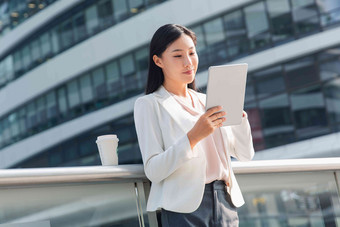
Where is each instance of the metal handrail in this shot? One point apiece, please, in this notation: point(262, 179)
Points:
point(28, 176)
point(287, 165)
point(135, 172)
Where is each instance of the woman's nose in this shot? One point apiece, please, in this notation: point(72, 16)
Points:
point(187, 61)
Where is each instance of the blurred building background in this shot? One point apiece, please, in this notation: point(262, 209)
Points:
point(71, 70)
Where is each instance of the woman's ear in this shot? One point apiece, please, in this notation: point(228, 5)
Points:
point(158, 61)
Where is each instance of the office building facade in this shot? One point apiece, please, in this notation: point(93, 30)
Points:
point(71, 71)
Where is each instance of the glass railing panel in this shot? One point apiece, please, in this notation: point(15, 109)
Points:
point(290, 199)
point(71, 204)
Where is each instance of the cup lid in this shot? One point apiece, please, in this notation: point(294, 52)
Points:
point(106, 137)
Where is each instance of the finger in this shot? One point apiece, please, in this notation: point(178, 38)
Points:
point(218, 115)
point(219, 121)
point(213, 110)
point(219, 125)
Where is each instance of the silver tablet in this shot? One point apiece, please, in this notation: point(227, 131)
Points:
point(226, 87)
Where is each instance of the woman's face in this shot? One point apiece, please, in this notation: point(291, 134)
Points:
point(179, 61)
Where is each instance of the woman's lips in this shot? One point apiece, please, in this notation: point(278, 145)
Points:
point(189, 71)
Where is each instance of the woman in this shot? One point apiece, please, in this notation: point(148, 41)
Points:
point(186, 151)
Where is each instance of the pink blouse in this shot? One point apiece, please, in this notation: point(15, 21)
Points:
point(217, 164)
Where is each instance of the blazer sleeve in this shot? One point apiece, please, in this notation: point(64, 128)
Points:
point(158, 162)
point(241, 141)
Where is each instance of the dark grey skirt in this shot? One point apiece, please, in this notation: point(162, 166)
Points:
point(216, 209)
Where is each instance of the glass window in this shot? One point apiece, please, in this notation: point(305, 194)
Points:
point(2, 73)
point(79, 27)
point(305, 16)
point(17, 62)
point(250, 95)
point(127, 68)
point(332, 96)
point(280, 19)
point(73, 94)
point(45, 45)
point(200, 37)
point(66, 34)
point(22, 121)
point(92, 21)
point(55, 157)
point(114, 85)
point(127, 65)
point(4, 15)
point(330, 11)
point(105, 13)
point(136, 6)
point(35, 51)
point(290, 199)
point(1, 134)
point(254, 118)
point(301, 72)
point(152, 2)
point(277, 124)
point(214, 31)
point(142, 64)
point(62, 101)
point(9, 67)
point(14, 124)
point(329, 69)
point(309, 112)
point(31, 9)
point(257, 25)
point(26, 57)
point(87, 147)
point(6, 133)
point(269, 86)
point(236, 33)
point(41, 109)
point(31, 116)
point(55, 40)
point(201, 46)
point(98, 78)
point(70, 150)
point(120, 8)
point(86, 88)
point(329, 53)
point(269, 81)
point(51, 106)
point(215, 38)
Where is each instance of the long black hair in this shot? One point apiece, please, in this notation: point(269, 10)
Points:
point(162, 38)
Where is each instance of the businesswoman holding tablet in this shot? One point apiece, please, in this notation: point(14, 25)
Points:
point(186, 151)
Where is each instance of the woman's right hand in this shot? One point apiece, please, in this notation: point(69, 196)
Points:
point(206, 125)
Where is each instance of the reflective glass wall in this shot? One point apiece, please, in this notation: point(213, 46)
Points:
point(73, 197)
point(299, 199)
point(277, 97)
point(92, 204)
point(234, 34)
point(278, 113)
point(82, 150)
point(109, 83)
point(14, 12)
point(81, 22)
point(289, 102)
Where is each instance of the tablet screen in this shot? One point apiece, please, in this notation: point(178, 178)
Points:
point(226, 87)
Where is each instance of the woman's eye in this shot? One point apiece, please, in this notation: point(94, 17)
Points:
point(178, 56)
point(193, 53)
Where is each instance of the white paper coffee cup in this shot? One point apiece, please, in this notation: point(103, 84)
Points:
point(107, 146)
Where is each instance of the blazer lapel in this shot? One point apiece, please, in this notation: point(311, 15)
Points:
point(173, 108)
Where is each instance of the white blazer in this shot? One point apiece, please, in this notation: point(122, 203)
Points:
point(178, 173)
